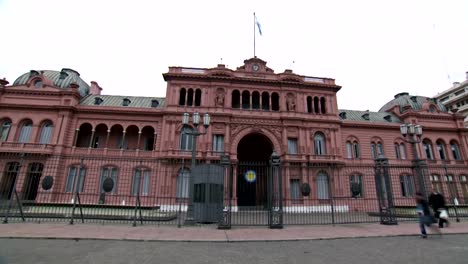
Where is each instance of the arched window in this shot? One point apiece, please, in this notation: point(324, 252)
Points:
point(274, 102)
point(190, 97)
point(322, 105)
point(182, 184)
point(319, 144)
point(140, 181)
point(5, 130)
point(376, 148)
point(428, 149)
point(198, 94)
point(265, 101)
point(245, 100)
point(322, 186)
point(455, 150)
point(182, 95)
point(400, 151)
point(235, 99)
point(25, 132)
point(441, 149)
point(352, 150)
point(38, 83)
point(109, 172)
point(185, 138)
point(46, 133)
point(309, 104)
point(255, 100)
point(316, 105)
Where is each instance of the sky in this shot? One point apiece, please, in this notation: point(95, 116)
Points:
point(374, 49)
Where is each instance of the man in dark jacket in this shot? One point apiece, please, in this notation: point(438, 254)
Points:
point(437, 202)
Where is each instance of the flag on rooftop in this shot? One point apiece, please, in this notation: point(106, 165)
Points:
point(258, 26)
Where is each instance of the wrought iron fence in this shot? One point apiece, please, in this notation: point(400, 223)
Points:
point(156, 191)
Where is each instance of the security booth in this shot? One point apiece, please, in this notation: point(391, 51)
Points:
point(208, 189)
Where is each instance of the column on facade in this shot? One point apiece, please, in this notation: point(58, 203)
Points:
point(138, 141)
point(92, 138)
point(269, 102)
point(155, 140)
point(122, 145)
point(75, 139)
point(319, 103)
point(34, 133)
point(107, 138)
point(227, 139)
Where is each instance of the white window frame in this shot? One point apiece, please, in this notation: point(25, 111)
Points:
point(72, 178)
point(218, 143)
point(292, 146)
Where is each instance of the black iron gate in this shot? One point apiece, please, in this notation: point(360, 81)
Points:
point(252, 193)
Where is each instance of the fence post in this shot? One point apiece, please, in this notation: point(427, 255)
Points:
point(384, 192)
point(275, 209)
point(225, 220)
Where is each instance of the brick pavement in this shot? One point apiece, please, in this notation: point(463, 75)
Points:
point(210, 233)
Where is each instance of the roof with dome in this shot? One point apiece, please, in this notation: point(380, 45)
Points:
point(415, 102)
point(61, 79)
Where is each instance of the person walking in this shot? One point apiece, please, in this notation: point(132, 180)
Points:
point(424, 214)
point(437, 202)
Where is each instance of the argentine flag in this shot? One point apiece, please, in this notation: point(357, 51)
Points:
point(259, 26)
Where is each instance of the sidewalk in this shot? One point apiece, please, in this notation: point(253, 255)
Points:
point(237, 234)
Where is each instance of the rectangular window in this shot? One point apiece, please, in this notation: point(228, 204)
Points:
point(322, 186)
point(74, 181)
point(295, 189)
point(292, 145)
point(355, 184)
point(140, 182)
point(218, 143)
point(407, 185)
point(186, 139)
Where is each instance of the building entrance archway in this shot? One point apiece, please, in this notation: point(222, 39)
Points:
point(253, 153)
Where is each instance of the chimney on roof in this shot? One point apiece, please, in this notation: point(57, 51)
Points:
point(466, 75)
point(95, 88)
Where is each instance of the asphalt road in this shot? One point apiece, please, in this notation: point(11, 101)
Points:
point(451, 249)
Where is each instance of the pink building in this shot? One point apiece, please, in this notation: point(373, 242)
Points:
point(52, 123)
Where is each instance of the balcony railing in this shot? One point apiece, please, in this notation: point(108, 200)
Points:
point(26, 147)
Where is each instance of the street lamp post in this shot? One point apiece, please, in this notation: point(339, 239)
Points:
point(190, 220)
point(412, 134)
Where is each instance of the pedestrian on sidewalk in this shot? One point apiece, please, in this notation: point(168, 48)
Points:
point(437, 202)
point(424, 214)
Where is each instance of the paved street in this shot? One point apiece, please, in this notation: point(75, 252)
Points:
point(451, 249)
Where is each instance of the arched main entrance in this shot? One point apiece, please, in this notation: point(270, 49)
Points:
point(253, 153)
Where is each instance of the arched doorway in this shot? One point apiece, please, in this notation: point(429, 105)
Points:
point(253, 153)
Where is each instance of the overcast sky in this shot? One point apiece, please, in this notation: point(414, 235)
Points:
point(373, 49)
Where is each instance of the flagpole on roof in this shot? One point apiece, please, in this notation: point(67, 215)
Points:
point(254, 32)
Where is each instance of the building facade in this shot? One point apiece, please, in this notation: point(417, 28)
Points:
point(455, 99)
point(52, 123)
